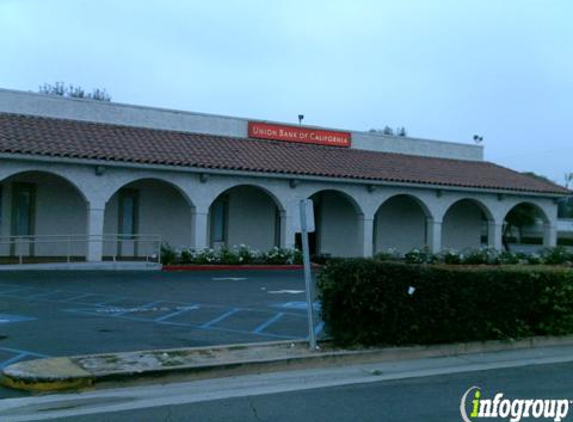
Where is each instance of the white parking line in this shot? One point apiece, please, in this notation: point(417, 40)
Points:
point(278, 292)
point(229, 278)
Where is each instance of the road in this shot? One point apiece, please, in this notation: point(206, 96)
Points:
point(417, 390)
point(432, 399)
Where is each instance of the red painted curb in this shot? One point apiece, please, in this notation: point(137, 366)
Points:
point(232, 267)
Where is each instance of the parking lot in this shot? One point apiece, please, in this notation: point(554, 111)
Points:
point(69, 313)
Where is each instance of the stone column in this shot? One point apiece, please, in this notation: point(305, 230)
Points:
point(434, 235)
point(550, 234)
point(95, 219)
point(494, 235)
point(287, 237)
point(366, 227)
point(199, 228)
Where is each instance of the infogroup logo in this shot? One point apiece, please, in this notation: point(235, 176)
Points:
point(513, 409)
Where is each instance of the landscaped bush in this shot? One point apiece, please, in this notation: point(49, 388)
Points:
point(238, 255)
point(556, 256)
point(511, 258)
point(450, 258)
point(368, 302)
point(168, 254)
point(282, 256)
point(388, 255)
point(419, 256)
point(482, 256)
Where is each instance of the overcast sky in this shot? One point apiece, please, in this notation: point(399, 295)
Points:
point(444, 69)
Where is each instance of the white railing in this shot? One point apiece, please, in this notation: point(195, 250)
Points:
point(114, 246)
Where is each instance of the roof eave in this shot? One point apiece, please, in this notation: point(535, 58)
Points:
point(286, 176)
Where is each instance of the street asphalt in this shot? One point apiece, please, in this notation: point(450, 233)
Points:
point(431, 399)
point(62, 313)
point(429, 389)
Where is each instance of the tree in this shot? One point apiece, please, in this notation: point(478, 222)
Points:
point(388, 131)
point(568, 179)
point(71, 91)
point(565, 207)
point(519, 217)
point(400, 131)
point(523, 215)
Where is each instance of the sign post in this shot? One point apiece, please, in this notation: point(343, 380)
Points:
point(306, 225)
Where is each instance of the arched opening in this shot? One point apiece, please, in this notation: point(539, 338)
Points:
point(524, 227)
point(337, 225)
point(400, 224)
point(141, 209)
point(245, 215)
point(465, 225)
point(38, 213)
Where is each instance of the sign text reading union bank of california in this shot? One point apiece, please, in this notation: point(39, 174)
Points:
point(299, 134)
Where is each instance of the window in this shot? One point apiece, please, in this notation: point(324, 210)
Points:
point(128, 212)
point(23, 209)
point(23, 214)
point(277, 227)
point(219, 212)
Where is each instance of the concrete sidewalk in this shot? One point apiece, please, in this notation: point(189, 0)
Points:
point(65, 373)
point(413, 381)
point(85, 266)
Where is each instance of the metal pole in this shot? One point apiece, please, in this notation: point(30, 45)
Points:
point(307, 275)
point(20, 260)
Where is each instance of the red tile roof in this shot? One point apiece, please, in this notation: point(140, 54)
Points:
point(51, 137)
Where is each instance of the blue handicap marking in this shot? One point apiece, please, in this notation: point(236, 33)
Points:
point(7, 318)
point(296, 305)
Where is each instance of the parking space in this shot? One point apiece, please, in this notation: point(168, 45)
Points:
point(69, 313)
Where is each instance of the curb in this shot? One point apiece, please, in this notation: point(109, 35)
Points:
point(77, 372)
point(233, 267)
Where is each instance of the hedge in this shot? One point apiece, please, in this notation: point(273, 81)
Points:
point(237, 255)
point(368, 302)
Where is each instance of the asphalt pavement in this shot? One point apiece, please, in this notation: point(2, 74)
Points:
point(418, 390)
point(62, 313)
point(433, 399)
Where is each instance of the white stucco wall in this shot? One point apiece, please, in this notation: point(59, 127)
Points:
point(12, 101)
point(348, 230)
point(251, 218)
point(337, 223)
point(400, 224)
point(162, 211)
point(60, 210)
point(462, 226)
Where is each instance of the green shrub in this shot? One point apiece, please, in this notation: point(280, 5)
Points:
point(321, 259)
point(480, 256)
point(556, 256)
point(533, 259)
point(388, 255)
point(228, 257)
point(246, 254)
point(419, 256)
point(296, 257)
point(168, 254)
point(510, 258)
point(450, 258)
point(282, 256)
point(206, 257)
point(186, 256)
point(367, 302)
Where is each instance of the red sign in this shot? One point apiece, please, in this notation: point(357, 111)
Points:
point(299, 134)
